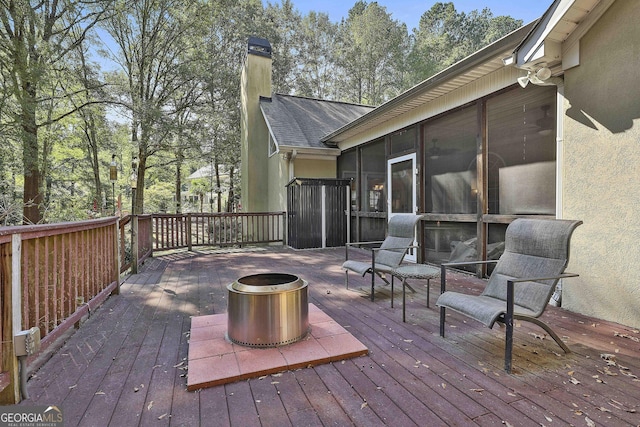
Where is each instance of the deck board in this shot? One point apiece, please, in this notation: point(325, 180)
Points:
point(125, 365)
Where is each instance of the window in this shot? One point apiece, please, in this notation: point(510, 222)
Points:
point(273, 147)
point(347, 170)
point(450, 163)
point(373, 161)
point(450, 241)
point(522, 152)
point(403, 141)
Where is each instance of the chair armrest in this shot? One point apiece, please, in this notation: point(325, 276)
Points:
point(388, 249)
point(362, 243)
point(453, 264)
point(444, 266)
point(511, 290)
point(346, 246)
point(535, 279)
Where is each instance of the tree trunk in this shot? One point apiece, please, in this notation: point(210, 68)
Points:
point(179, 184)
point(32, 197)
point(230, 200)
point(218, 187)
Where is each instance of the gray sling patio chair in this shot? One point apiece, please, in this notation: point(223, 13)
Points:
point(384, 259)
point(524, 279)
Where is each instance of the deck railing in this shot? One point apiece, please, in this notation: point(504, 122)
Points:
point(218, 229)
point(51, 276)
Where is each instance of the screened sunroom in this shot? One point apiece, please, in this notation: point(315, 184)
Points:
point(470, 171)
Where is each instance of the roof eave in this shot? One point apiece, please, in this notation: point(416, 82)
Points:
point(555, 32)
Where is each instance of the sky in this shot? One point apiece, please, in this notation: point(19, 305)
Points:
point(410, 11)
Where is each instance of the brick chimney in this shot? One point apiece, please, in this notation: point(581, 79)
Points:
point(254, 135)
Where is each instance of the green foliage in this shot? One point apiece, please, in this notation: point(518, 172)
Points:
point(160, 197)
point(171, 96)
point(445, 36)
point(371, 51)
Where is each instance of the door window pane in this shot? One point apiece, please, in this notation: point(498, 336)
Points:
point(402, 187)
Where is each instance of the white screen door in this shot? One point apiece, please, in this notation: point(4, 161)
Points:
point(401, 197)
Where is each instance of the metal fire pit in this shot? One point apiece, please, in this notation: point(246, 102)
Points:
point(267, 310)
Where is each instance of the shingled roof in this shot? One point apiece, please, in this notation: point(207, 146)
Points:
point(302, 122)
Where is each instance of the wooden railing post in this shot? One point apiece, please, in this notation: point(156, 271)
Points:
point(116, 257)
point(134, 244)
point(11, 321)
point(188, 231)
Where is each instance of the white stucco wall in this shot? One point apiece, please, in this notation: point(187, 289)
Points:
point(601, 168)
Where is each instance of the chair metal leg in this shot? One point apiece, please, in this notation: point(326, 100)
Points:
point(391, 291)
point(373, 272)
point(508, 321)
point(443, 287)
point(346, 280)
point(547, 329)
point(404, 299)
point(373, 279)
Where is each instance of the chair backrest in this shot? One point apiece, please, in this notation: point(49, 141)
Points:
point(400, 235)
point(533, 248)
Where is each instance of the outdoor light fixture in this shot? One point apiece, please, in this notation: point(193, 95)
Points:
point(113, 177)
point(134, 183)
point(539, 77)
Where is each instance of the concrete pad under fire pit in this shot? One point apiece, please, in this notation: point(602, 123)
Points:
point(214, 360)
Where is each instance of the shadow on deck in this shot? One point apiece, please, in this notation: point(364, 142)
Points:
point(127, 365)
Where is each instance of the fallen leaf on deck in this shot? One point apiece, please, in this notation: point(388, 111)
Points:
point(408, 340)
point(635, 339)
point(478, 390)
point(99, 393)
point(537, 336)
point(574, 381)
point(603, 409)
point(548, 419)
point(150, 405)
point(364, 405)
point(179, 364)
point(589, 422)
point(162, 416)
point(627, 373)
point(73, 386)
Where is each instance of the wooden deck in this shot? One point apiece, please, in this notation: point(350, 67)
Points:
point(126, 365)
